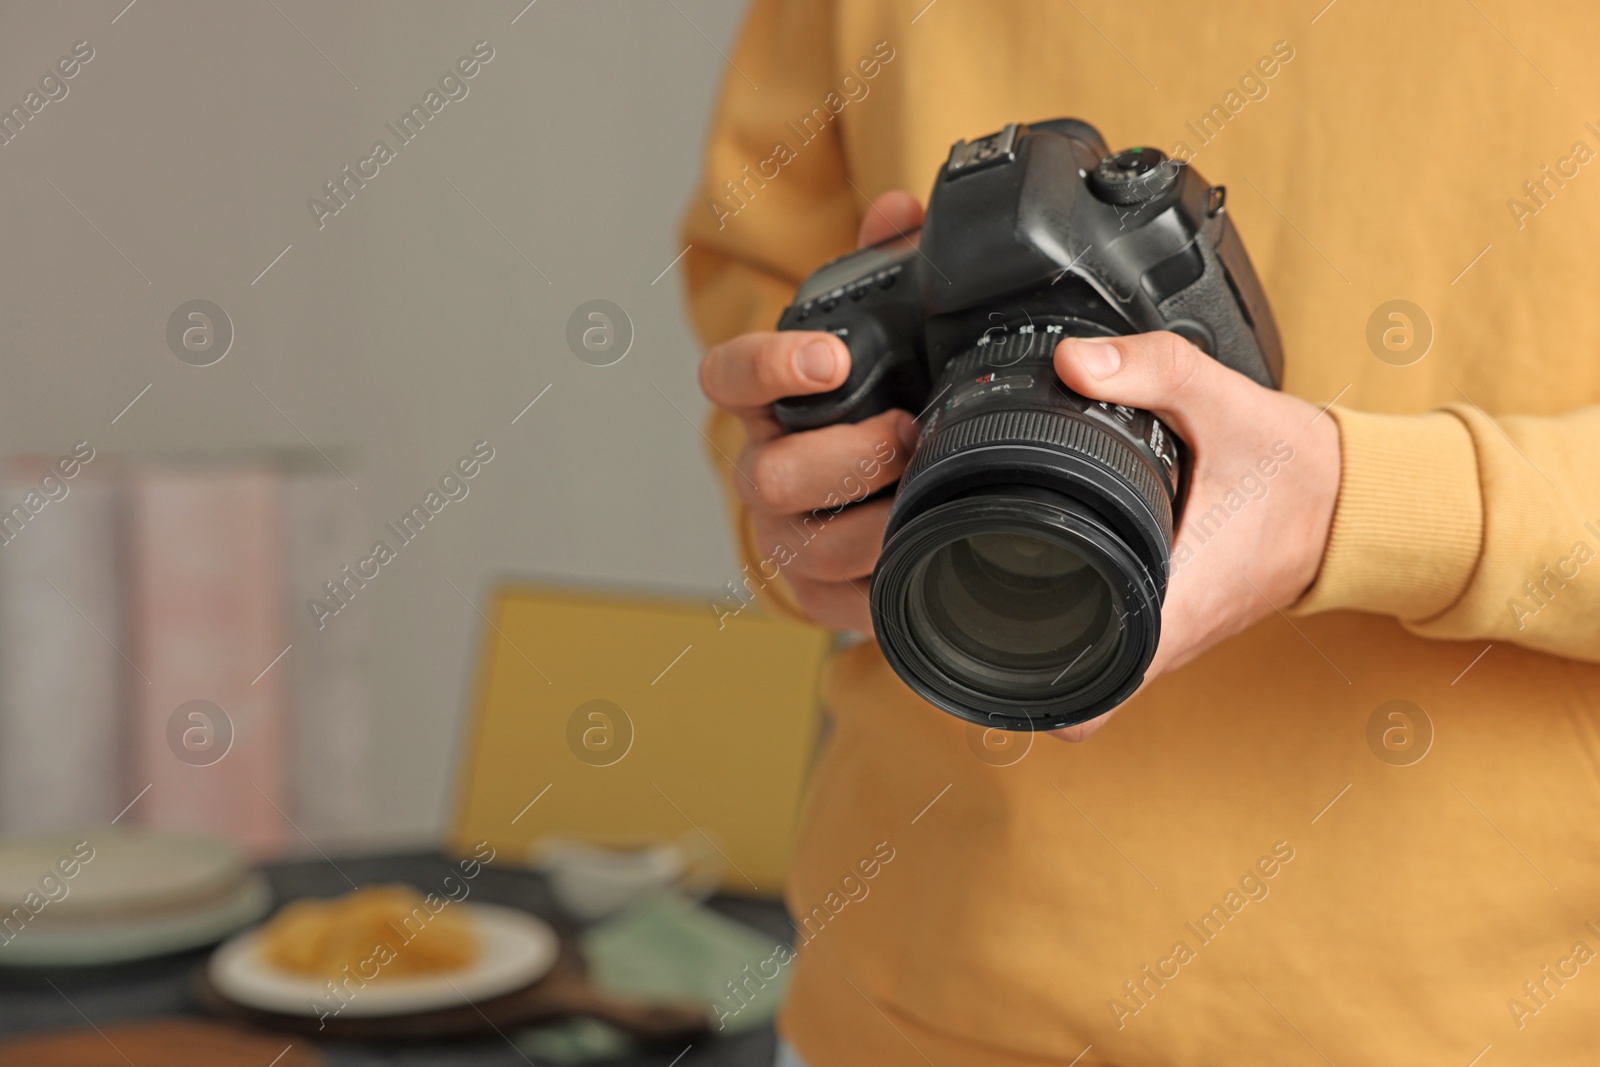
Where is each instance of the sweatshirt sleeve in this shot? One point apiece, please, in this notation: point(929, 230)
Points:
point(1467, 527)
point(773, 205)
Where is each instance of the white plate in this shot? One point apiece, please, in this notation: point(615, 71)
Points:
point(89, 942)
point(517, 949)
point(130, 870)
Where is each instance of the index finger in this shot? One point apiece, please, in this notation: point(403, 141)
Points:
point(754, 369)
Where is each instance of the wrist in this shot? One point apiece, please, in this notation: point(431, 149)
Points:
point(1324, 465)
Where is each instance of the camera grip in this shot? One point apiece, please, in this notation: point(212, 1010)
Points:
point(884, 373)
point(865, 393)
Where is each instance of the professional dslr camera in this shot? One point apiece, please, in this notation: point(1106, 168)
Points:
point(1028, 547)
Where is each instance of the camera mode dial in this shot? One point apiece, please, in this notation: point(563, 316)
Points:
point(1134, 176)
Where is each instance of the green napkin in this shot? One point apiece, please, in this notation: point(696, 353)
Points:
point(577, 1041)
point(668, 947)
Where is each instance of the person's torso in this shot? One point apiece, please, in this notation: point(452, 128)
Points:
point(1114, 893)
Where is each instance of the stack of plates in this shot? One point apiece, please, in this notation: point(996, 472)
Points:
point(131, 894)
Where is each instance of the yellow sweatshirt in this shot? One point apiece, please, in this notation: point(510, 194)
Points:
point(1366, 831)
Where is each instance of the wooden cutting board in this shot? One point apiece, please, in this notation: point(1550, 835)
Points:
point(159, 1043)
point(564, 992)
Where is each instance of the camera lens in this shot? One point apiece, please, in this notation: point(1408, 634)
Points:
point(1014, 612)
point(1026, 553)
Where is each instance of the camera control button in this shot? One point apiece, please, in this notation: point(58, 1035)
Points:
point(1133, 176)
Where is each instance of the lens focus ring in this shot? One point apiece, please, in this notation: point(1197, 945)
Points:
point(1070, 433)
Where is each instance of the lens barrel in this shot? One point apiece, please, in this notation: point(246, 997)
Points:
point(1026, 554)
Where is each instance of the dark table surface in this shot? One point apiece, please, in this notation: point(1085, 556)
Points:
point(32, 1001)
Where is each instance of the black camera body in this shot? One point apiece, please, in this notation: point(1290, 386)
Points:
point(1028, 547)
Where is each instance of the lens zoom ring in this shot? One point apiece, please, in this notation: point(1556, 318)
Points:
point(1064, 432)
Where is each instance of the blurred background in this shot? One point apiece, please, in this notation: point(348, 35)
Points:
point(372, 351)
point(241, 348)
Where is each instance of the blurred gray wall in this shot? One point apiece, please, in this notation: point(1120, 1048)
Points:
point(418, 320)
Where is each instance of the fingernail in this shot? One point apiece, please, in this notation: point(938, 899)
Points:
point(818, 361)
point(1097, 355)
point(908, 432)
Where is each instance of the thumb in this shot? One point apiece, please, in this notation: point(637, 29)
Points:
point(1160, 372)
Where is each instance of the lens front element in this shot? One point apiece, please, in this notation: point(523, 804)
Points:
point(1016, 608)
point(1015, 614)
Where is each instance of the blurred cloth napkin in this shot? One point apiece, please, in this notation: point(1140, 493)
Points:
point(668, 947)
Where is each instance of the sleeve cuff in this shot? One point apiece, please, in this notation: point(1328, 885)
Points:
point(1408, 527)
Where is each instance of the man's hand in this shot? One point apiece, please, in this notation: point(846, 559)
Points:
point(1264, 482)
point(793, 483)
